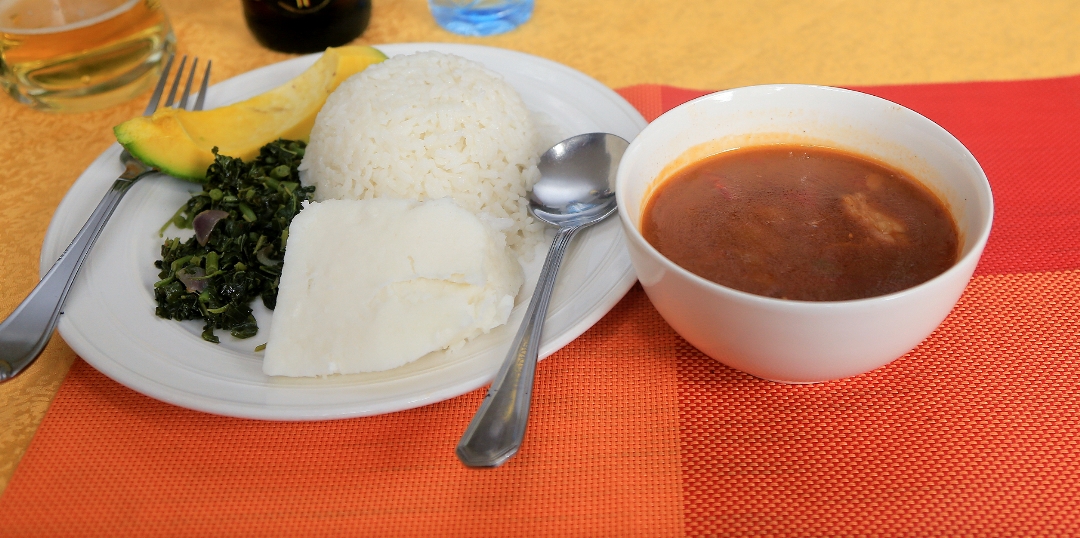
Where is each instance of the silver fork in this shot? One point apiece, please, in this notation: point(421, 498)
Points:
point(24, 334)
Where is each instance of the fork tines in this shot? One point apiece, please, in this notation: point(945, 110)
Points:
point(155, 99)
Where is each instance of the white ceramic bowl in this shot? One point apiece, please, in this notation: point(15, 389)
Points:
point(802, 341)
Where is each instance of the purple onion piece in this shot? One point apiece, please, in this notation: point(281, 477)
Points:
point(192, 277)
point(204, 223)
point(263, 255)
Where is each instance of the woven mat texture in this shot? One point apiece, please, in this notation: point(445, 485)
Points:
point(634, 432)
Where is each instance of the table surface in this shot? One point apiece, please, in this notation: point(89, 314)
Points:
point(700, 44)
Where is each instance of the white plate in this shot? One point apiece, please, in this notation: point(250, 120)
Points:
point(109, 316)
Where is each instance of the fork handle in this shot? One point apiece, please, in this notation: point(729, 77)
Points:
point(24, 334)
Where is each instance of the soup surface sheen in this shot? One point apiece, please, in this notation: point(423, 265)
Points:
point(801, 222)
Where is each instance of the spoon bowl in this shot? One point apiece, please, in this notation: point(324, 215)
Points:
point(577, 180)
point(576, 190)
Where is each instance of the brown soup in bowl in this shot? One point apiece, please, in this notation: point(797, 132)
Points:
point(801, 222)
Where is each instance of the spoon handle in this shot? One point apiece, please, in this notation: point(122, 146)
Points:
point(496, 432)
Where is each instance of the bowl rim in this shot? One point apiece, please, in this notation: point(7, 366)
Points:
point(964, 264)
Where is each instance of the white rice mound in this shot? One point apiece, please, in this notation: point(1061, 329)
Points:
point(428, 126)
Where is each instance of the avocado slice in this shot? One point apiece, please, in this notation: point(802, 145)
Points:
point(179, 142)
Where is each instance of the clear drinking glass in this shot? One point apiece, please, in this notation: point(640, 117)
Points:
point(481, 17)
point(78, 55)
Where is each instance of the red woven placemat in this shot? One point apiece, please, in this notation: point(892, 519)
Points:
point(634, 432)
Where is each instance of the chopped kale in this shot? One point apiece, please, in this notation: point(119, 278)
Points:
point(243, 253)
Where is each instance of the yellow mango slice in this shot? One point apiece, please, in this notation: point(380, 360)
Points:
point(179, 142)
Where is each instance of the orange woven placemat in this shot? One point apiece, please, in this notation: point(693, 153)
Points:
point(976, 431)
point(634, 432)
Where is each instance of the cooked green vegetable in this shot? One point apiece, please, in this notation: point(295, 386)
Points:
point(241, 218)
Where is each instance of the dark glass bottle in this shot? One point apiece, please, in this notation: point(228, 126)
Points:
point(306, 25)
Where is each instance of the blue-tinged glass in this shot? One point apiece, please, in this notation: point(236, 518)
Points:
point(481, 17)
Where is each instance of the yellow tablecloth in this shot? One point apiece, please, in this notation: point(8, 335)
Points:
point(704, 44)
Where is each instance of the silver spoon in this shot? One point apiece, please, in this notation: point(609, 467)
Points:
point(576, 189)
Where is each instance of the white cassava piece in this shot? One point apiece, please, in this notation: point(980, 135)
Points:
point(370, 285)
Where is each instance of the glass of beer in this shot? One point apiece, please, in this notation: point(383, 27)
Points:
point(79, 55)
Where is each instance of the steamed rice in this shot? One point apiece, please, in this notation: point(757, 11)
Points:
point(428, 126)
